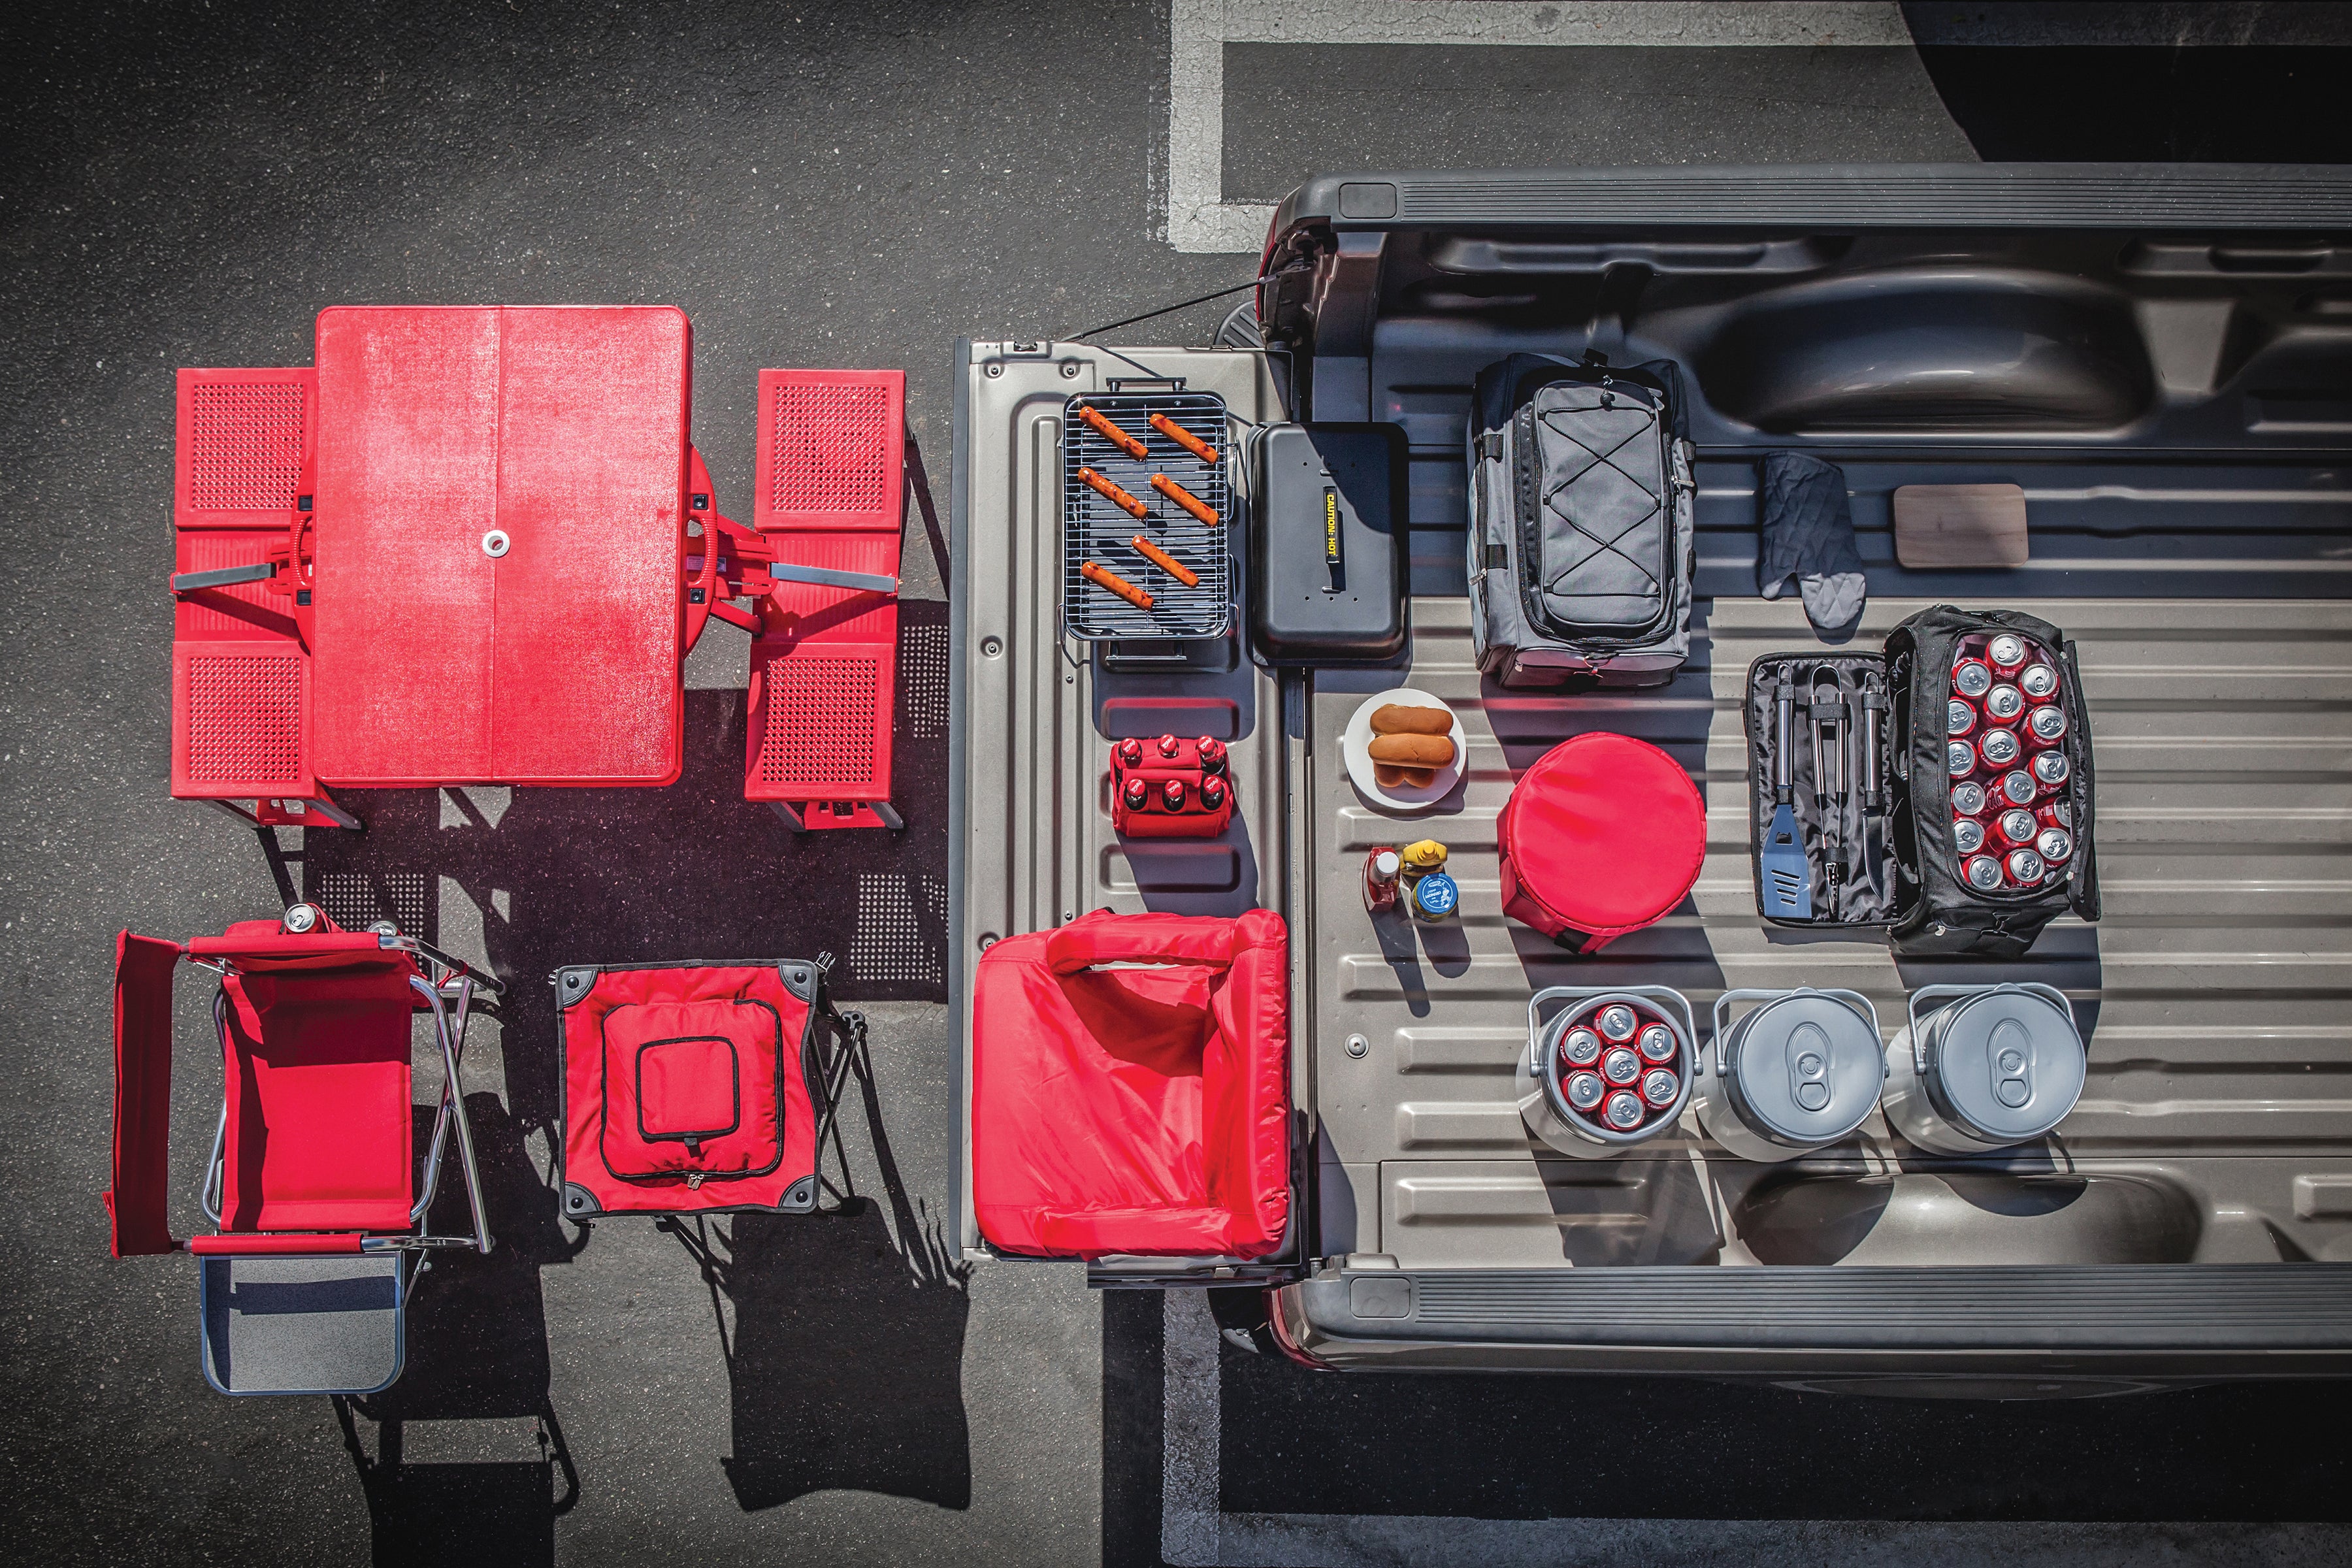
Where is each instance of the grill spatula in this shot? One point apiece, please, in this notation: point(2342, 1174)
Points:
point(1788, 879)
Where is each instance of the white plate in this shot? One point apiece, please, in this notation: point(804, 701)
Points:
point(1358, 736)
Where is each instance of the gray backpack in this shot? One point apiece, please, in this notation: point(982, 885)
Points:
point(1581, 522)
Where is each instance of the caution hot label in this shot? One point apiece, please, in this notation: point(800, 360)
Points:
point(1330, 526)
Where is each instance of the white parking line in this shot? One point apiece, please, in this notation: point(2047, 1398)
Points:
point(1200, 219)
point(1194, 1532)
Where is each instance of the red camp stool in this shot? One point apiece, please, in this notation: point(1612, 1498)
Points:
point(1604, 835)
point(699, 1088)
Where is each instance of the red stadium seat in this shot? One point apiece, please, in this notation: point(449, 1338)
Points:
point(1130, 1088)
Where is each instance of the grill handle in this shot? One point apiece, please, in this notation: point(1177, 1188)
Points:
point(1121, 383)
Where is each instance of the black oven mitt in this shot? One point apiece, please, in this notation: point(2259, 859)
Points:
point(1808, 534)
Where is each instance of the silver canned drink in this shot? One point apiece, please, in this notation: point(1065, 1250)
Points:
point(1959, 759)
point(1659, 1087)
point(2038, 681)
point(2019, 826)
point(2018, 788)
point(1580, 1047)
point(1999, 748)
point(2046, 724)
point(1585, 1090)
point(1617, 1023)
point(1983, 871)
point(2003, 704)
point(1623, 1111)
point(1967, 797)
point(1656, 1044)
point(1968, 834)
point(1971, 678)
point(1622, 1065)
point(2005, 652)
point(2050, 769)
point(2024, 868)
point(1960, 718)
point(2055, 845)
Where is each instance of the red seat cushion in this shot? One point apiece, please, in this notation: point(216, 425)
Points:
point(320, 1133)
point(686, 1090)
point(1133, 1109)
point(1604, 835)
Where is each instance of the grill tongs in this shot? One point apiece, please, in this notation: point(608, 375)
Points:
point(1825, 714)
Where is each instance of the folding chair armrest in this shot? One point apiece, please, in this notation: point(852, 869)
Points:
point(276, 1245)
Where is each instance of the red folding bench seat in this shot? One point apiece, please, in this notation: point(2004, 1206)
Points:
point(829, 499)
point(314, 1183)
point(241, 487)
point(698, 1088)
point(1130, 1088)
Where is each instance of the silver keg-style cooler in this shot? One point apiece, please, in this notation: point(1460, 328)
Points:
point(1799, 1072)
point(1585, 1131)
point(1992, 1068)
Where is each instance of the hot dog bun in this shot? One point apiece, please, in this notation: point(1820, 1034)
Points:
point(1390, 776)
point(1397, 718)
point(1412, 751)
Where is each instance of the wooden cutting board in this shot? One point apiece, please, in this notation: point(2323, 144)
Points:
point(1945, 526)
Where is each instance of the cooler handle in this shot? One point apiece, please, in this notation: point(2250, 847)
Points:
point(1662, 995)
point(1911, 1007)
point(1850, 998)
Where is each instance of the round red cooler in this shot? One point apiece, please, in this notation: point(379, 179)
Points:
point(1602, 836)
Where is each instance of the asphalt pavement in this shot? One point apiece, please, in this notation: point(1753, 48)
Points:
point(188, 185)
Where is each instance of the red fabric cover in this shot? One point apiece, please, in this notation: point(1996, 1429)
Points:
point(1604, 835)
point(260, 947)
point(274, 1246)
point(136, 1204)
point(316, 1084)
point(653, 1055)
point(1142, 1110)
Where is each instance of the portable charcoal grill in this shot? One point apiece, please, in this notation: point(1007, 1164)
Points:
point(1095, 529)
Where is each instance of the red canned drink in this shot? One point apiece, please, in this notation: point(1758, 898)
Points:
point(1656, 1044)
point(2050, 769)
point(2059, 813)
point(2046, 724)
point(1580, 1047)
point(1971, 678)
point(1967, 797)
point(1968, 834)
point(1585, 1090)
point(1659, 1087)
point(1616, 1023)
point(1983, 871)
point(2055, 845)
point(2039, 682)
point(2018, 788)
point(2025, 866)
point(1620, 1066)
point(2005, 653)
point(2003, 704)
point(1623, 1111)
point(1959, 717)
point(1959, 758)
point(1999, 748)
point(2019, 826)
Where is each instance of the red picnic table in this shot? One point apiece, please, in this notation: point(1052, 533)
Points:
point(470, 547)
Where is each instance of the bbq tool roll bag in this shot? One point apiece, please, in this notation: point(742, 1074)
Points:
point(1581, 527)
point(1941, 912)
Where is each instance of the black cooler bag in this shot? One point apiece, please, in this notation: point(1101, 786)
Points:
point(1581, 523)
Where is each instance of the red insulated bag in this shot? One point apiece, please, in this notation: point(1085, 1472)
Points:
point(1604, 835)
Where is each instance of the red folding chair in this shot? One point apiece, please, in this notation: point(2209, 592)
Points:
point(313, 1183)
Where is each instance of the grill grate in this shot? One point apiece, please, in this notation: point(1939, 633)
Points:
point(832, 444)
point(247, 440)
point(245, 720)
point(1095, 529)
point(820, 722)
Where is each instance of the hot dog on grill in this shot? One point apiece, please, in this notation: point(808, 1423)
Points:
point(1165, 561)
point(1185, 499)
point(1115, 584)
point(1184, 438)
point(1110, 432)
point(1115, 495)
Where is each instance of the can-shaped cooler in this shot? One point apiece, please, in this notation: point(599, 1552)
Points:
point(1542, 1103)
point(1799, 1072)
point(1989, 1067)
